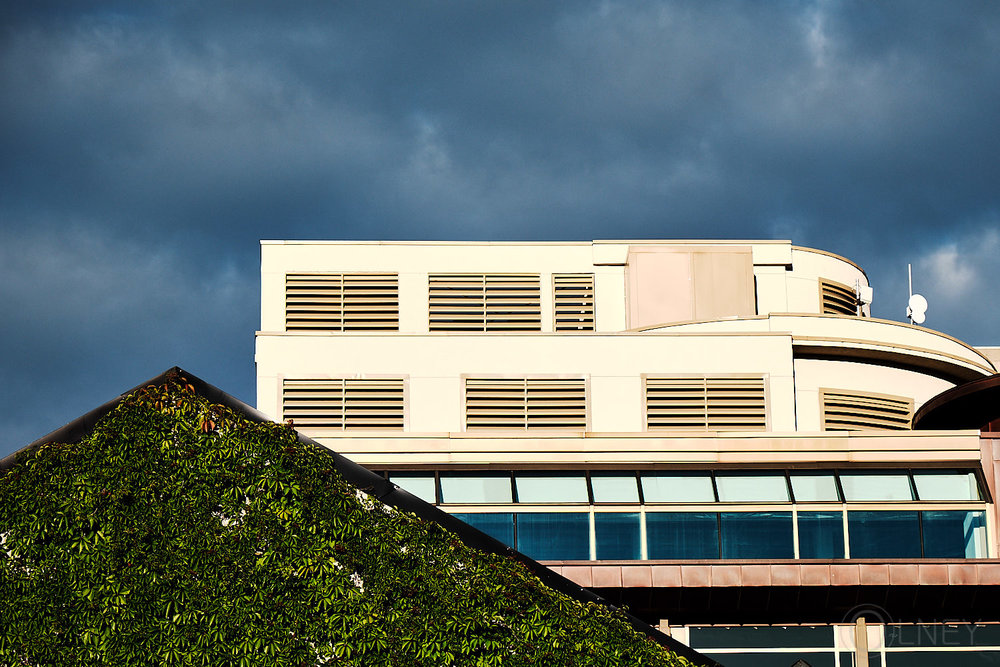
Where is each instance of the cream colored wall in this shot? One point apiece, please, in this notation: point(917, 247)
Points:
point(786, 277)
point(435, 367)
point(862, 334)
point(435, 364)
point(808, 266)
point(811, 375)
point(413, 261)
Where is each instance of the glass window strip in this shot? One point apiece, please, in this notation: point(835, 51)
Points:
point(668, 535)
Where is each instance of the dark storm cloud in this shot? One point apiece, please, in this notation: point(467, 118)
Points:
point(146, 147)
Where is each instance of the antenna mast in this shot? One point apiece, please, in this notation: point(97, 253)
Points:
point(916, 306)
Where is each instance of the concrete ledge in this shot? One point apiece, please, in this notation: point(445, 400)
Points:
point(729, 574)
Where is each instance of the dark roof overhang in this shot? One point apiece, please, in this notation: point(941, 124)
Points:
point(972, 405)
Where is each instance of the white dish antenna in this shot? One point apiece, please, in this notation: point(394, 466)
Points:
point(916, 307)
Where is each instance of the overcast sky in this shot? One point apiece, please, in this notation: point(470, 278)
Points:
point(146, 147)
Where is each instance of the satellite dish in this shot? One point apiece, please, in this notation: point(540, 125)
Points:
point(916, 309)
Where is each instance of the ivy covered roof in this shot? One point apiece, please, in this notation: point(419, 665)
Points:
point(176, 525)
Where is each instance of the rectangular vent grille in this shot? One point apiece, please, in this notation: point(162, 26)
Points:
point(341, 302)
point(484, 302)
point(705, 404)
point(525, 404)
point(344, 404)
point(852, 411)
point(837, 298)
point(573, 296)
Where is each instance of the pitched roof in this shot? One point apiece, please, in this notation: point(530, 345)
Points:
point(361, 478)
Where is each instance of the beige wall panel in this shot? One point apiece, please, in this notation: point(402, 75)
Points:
point(272, 301)
point(777, 253)
point(620, 400)
point(771, 290)
point(609, 298)
point(780, 405)
point(803, 293)
point(435, 404)
point(269, 396)
point(413, 302)
point(723, 283)
point(547, 298)
point(609, 254)
point(595, 356)
point(659, 287)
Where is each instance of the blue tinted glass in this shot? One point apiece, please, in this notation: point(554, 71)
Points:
point(554, 535)
point(498, 526)
point(682, 534)
point(954, 534)
point(884, 534)
point(617, 536)
point(821, 535)
point(757, 535)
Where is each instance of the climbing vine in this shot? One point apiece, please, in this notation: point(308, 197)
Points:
point(180, 533)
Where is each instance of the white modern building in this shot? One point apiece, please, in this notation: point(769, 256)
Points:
point(715, 433)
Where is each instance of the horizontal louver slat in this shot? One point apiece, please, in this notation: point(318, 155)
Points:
point(341, 302)
point(573, 299)
point(525, 403)
point(484, 302)
point(837, 299)
point(355, 403)
point(706, 404)
point(845, 411)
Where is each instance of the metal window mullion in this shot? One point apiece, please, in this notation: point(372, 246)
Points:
point(920, 531)
point(593, 534)
point(913, 486)
point(643, 535)
point(795, 532)
point(718, 526)
point(840, 487)
point(847, 536)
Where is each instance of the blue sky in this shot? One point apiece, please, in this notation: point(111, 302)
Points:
point(145, 148)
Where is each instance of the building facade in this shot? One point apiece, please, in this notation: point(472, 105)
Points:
point(716, 434)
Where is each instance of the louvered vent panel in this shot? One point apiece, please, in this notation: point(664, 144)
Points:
point(484, 302)
point(574, 301)
point(846, 411)
point(838, 299)
point(525, 403)
point(456, 302)
point(344, 404)
point(513, 303)
point(342, 302)
point(699, 404)
point(735, 404)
